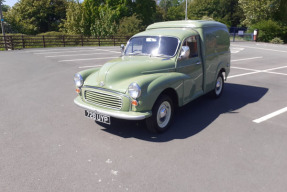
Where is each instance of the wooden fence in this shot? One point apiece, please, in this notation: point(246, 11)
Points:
point(12, 42)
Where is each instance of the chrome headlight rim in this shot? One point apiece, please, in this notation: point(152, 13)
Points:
point(134, 90)
point(78, 79)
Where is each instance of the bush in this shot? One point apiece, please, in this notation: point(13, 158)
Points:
point(129, 26)
point(277, 40)
point(51, 33)
point(269, 29)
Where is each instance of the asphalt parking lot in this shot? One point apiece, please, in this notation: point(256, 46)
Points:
point(234, 143)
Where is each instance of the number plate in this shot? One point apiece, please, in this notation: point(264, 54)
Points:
point(98, 117)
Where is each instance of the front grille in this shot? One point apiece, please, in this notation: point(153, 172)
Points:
point(103, 99)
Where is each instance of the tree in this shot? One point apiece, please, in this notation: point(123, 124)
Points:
point(172, 9)
point(269, 30)
point(226, 11)
point(166, 4)
point(281, 14)
point(258, 10)
point(129, 26)
point(175, 13)
point(146, 11)
point(36, 16)
point(105, 25)
point(160, 15)
point(74, 22)
point(5, 8)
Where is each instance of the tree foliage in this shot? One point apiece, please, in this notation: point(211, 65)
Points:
point(175, 13)
point(281, 14)
point(102, 18)
point(126, 17)
point(146, 11)
point(129, 26)
point(5, 8)
point(226, 11)
point(74, 22)
point(269, 29)
point(258, 10)
point(36, 16)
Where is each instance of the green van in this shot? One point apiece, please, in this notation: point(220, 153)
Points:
point(164, 67)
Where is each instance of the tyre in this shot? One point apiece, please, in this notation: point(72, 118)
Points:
point(219, 85)
point(162, 115)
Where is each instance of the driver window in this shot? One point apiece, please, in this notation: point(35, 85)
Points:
point(191, 42)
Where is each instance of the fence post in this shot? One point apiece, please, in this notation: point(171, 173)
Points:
point(114, 40)
point(82, 40)
point(5, 43)
point(99, 39)
point(44, 43)
point(12, 43)
point(234, 36)
point(64, 41)
point(23, 42)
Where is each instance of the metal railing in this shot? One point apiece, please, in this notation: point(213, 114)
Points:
point(12, 42)
point(241, 37)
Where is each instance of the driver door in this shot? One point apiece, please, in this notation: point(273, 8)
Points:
point(192, 66)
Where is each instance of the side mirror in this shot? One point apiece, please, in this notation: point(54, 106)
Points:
point(122, 48)
point(184, 53)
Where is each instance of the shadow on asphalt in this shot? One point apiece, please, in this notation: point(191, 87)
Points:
point(193, 117)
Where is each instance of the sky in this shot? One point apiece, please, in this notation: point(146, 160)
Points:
point(10, 2)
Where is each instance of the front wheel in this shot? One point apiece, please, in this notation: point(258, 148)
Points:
point(162, 115)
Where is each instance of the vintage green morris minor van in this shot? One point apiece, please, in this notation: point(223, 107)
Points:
point(166, 66)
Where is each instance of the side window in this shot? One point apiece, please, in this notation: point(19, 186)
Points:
point(191, 42)
point(210, 41)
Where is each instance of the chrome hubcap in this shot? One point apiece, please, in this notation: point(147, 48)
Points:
point(218, 86)
point(163, 114)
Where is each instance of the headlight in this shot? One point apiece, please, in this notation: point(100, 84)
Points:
point(134, 90)
point(78, 79)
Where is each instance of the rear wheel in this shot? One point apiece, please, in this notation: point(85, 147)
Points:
point(162, 115)
point(219, 85)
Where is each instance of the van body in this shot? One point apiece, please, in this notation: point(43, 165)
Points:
point(164, 67)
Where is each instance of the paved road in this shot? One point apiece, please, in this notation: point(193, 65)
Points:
point(235, 143)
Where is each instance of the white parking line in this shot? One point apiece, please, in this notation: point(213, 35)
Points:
point(49, 49)
point(229, 77)
point(246, 69)
point(276, 73)
point(269, 116)
point(75, 55)
point(88, 59)
point(276, 68)
point(82, 67)
point(236, 50)
point(47, 52)
point(108, 50)
point(247, 59)
point(270, 71)
point(42, 53)
point(261, 48)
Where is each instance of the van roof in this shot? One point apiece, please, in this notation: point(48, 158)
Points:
point(172, 32)
point(185, 24)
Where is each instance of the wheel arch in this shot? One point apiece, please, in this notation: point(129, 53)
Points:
point(172, 94)
point(222, 70)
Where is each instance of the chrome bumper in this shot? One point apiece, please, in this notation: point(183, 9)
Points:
point(129, 115)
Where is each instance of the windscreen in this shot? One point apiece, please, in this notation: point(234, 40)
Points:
point(152, 46)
